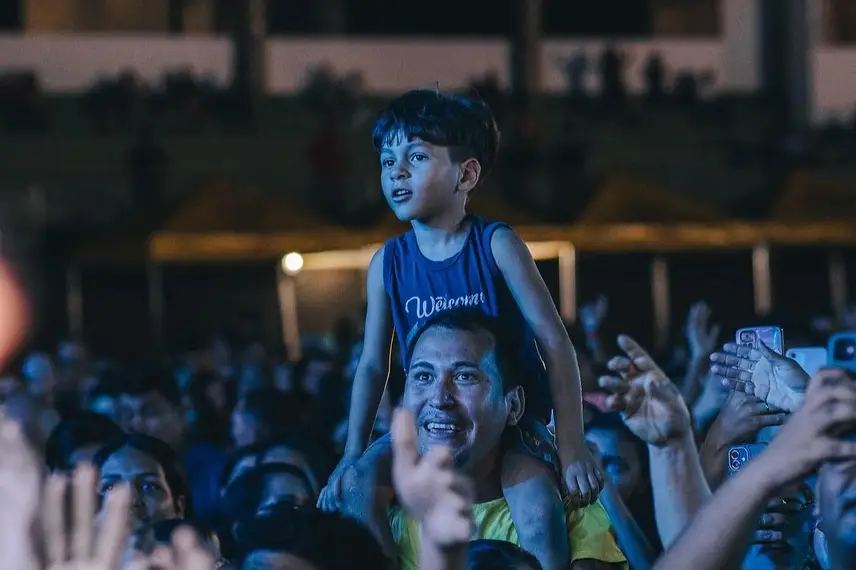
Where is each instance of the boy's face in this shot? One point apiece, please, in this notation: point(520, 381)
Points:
point(419, 180)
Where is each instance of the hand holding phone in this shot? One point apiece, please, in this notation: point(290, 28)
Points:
point(772, 378)
point(810, 358)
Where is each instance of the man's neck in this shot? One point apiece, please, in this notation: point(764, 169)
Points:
point(486, 476)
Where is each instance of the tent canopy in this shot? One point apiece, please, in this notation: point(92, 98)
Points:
point(808, 196)
point(225, 223)
point(622, 200)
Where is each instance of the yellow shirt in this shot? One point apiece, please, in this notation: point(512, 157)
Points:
point(588, 532)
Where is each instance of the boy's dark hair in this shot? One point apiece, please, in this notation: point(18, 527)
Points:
point(507, 353)
point(499, 555)
point(309, 533)
point(81, 430)
point(159, 451)
point(464, 125)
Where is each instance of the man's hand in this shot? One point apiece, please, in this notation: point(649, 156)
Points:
point(583, 477)
point(593, 314)
point(84, 552)
point(651, 405)
point(330, 498)
point(701, 336)
point(775, 379)
point(811, 436)
point(740, 420)
point(429, 488)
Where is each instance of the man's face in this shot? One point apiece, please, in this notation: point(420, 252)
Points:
point(418, 179)
point(151, 414)
point(455, 392)
point(836, 496)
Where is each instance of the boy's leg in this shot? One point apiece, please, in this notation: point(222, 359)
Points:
point(367, 491)
point(530, 484)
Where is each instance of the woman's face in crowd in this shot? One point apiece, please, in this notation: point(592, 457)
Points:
point(284, 488)
point(152, 499)
point(620, 459)
point(289, 456)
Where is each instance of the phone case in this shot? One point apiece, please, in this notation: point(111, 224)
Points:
point(771, 336)
point(739, 455)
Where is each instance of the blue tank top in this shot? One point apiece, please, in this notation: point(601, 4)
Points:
point(419, 287)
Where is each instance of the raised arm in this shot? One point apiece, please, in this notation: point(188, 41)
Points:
point(652, 408)
point(373, 369)
point(529, 290)
point(805, 442)
point(369, 380)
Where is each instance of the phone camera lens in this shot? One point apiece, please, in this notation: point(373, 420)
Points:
point(844, 350)
point(747, 336)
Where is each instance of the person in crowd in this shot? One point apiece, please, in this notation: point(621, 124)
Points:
point(77, 439)
point(262, 416)
point(499, 555)
point(625, 463)
point(434, 150)
point(150, 404)
point(463, 391)
point(301, 538)
point(814, 437)
point(152, 470)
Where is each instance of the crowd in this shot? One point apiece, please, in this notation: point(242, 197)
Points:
point(481, 437)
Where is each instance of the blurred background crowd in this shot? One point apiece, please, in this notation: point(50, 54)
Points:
point(190, 197)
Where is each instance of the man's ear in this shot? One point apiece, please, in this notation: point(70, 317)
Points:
point(469, 175)
point(515, 400)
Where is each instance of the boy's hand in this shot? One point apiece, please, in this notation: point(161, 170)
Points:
point(429, 488)
point(583, 477)
point(330, 498)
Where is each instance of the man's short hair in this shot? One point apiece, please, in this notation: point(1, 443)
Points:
point(506, 352)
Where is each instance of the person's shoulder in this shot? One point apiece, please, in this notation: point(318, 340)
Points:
point(589, 531)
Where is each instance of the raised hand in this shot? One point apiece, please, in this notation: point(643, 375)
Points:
point(651, 405)
point(20, 487)
point(593, 314)
point(428, 486)
point(701, 336)
point(741, 418)
point(85, 551)
point(775, 379)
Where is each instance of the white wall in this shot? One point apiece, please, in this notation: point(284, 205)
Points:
point(70, 63)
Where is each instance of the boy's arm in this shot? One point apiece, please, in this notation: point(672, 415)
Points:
point(529, 290)
point(373, 368)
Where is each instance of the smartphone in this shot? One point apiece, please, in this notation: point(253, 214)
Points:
point(810, 358)
point(739, 455)
point(841, 351)
point(773, 337)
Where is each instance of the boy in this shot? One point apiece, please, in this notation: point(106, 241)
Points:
point(433, 150)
